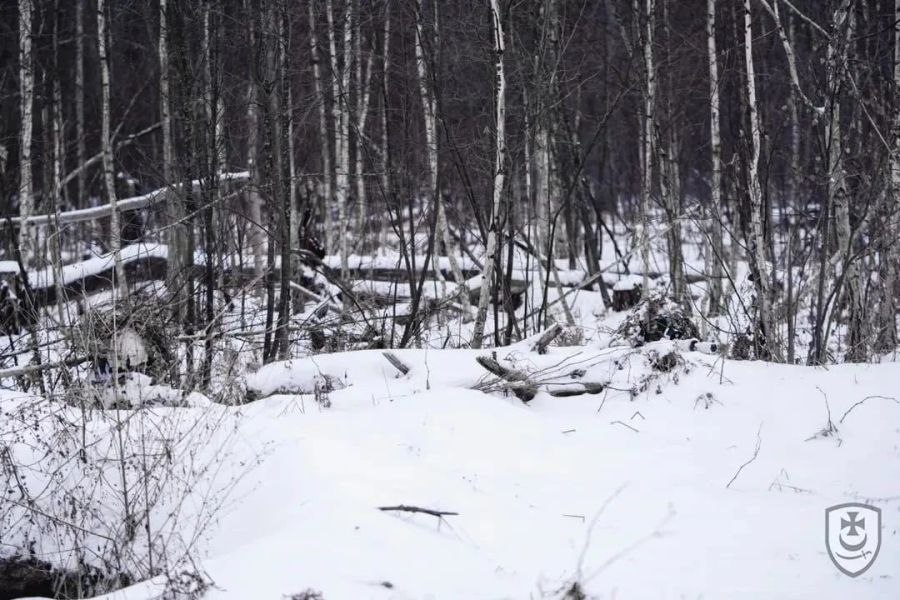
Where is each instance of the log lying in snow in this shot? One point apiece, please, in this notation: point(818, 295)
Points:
point(123, 205)
point(548, 336)
point(398, 364)
point(515, 380)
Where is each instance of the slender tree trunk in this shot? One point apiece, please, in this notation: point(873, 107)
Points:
point(766, 342)
point(647, 142)
point(80, 142)
point(26, 95)
point(363, 94)
point(56, 176)
point(257, 233)
point(176, 265)
point(715, 251)
point(490, 257)
point(670, 180)
point(324, 146)
point(794, 198)
point(340, 81)
point(294, 196)
point(385, 146)
point(887, 318)
point(106, 142)
point(281, 118)
point(429, 109)
point(838, 194)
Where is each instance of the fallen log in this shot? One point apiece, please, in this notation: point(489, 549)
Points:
point(398, 364)
point(29, 369)
point(517, 381)
point(548, 336)
point(577, 389)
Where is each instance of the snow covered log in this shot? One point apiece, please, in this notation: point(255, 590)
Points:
point(513, 379)
point(124, 205)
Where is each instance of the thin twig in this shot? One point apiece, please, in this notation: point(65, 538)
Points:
point(622, 423)
point(440, 514)
point(844, 416)
point(752, 458)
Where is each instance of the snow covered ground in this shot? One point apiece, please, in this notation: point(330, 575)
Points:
point(626, 492)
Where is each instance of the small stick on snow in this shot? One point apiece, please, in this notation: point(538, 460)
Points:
point(752, 458)
point(546, 338)
point(440, 514)
point(624, 425)
point(398, 364)
point(575, 517)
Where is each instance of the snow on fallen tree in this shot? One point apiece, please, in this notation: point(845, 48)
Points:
point(525, 370)
point(124, 205)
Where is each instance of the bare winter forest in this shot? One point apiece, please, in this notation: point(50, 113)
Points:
point(530, 213)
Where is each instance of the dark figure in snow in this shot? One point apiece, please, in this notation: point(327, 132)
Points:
point(309, 243)
point(132, 227)
point(9, 310)
point(13, 313)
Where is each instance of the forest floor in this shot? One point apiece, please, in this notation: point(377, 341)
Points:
point(635, 492)
point(682, 474)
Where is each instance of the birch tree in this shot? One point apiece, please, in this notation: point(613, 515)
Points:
point(765, 326)
point(324, 144)
point(385, 145)
point(838, 193)
point(80, 142)
point(670, 181)
point(363, 77)
point(887, 321)
point(175, 283)
point(257, 234)
point(429, 110)
point(714, 248)
point(340, 82)
point(490, 257)
point(107, 149)
point(26, 95)
point(647, 139)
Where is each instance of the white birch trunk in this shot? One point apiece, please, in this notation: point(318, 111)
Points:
point(165, 110)
point(106, 142)
point(499, 174)
point(80, 142)
point(256, 235)
point(177, 246)
point(340, 82)
point(715, 249)
point(647, 144)
point(26, 95)
point(838, 194)
point(363, 93)
point(758, 239)
point(385, 146)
